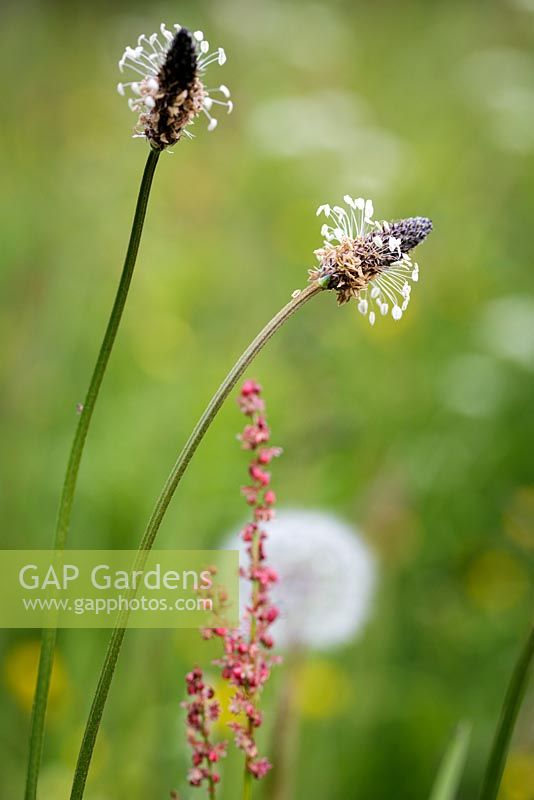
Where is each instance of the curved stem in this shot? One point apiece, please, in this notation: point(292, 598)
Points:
point(510, 710)
point(48, 640)
point(115, 643)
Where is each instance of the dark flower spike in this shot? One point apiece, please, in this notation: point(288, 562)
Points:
point(369, 260)
point(169, 90)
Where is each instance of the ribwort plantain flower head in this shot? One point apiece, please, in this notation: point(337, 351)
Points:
point(167, 89)
point(368, 260)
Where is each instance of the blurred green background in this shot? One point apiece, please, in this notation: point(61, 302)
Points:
point(420, 432)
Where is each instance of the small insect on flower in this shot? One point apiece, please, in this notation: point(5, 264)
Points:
point(369, 260)
point(168, 88)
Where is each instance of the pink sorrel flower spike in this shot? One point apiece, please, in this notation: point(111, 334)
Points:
point(202, 711)
point(247, 660)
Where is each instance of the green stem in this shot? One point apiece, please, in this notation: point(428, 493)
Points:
point(49, 635)
point(510, 710)
point(247, 784)
point(115, 643)
point(284, 745)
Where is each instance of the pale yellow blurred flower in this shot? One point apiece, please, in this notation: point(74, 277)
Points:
point(223, 694)
point(20, 672)
point(497, 581)
point(324, 689)
point(518, 779)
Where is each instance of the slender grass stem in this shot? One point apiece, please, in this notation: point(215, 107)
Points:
point(164, 499)
point(48, 640)
point(505, 728)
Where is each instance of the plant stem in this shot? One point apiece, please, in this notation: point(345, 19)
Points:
point(451, 768)
point(284, 745)
point(510, 710)
point(247, 777)
point(247, 784)
point(205, 736)
point(115, 643)
point(48, 640)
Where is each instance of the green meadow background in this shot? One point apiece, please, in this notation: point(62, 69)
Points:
point(419, 433)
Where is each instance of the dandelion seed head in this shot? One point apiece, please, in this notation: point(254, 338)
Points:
point(368, 260)
point(168, 89)
point(327, 576)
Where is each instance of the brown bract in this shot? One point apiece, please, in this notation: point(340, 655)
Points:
point(165, 124)
point(347, 268)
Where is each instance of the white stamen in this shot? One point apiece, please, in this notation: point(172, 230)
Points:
point(146, 59)
point(167, 34)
